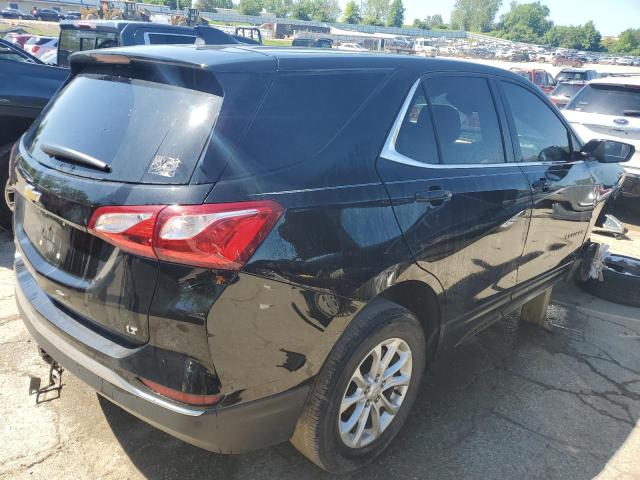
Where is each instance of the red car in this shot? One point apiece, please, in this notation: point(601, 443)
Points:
point(539, 77)
point(18, 38)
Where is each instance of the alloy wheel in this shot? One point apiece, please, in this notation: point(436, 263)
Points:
point(375, 393)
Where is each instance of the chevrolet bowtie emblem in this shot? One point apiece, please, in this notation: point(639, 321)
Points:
point(31, 193)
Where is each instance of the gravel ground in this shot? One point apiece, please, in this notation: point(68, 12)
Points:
point(517, 401)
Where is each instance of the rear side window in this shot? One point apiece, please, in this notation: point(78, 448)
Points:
point(542, 137)
point(169, 39)
point(145, 131)
point(416, 138)
point(77, 40)
point(301, 114)
point(608, 99)
point(466, 120)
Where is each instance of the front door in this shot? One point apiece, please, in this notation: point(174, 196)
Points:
point(460, 201)
point(562, 187)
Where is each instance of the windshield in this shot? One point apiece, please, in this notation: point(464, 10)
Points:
point(76, 40)
point(567, 89)
point(607, 99)
point(564, 76)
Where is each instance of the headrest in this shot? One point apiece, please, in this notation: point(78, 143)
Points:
point(447, 121)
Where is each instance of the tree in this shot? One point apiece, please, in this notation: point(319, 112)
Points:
point(281, 8)
point(375, 12)
point(351, 13)
point(526, 22)
point(431, 22)
point(209, 5)
point(324, 10)
point(474, 15)
point(395, 17)
point(301, 10)
point(423, 24)
point(628, 42)
point(435, 21)
point(250, 7)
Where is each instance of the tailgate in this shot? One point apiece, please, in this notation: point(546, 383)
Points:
point(89, 279)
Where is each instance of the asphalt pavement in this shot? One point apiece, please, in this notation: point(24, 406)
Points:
point(517, 401)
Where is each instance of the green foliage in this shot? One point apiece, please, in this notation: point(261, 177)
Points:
point(352, 13)
point(281, 8)
point(209, 5)
point(423, 24)
point(436, 21)
point(319, 10)
point(628, 42)
point(375, 12)
point(525, 22)
point(301, 10)
point(250, 7)
point(474, 15)
point(581, 37)
point(324, 10)
point(395, 18)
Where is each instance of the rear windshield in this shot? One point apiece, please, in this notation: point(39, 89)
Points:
point(607, 99)
point(145, 131)
point(564, 76)
point(566, 89)
point(76, 40)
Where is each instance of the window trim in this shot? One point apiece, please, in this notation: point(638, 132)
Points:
point(390, 153)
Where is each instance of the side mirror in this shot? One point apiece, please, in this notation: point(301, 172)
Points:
point(607, 151)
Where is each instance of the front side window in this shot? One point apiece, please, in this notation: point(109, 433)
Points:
point(542, 137)
point(416, 138)
point(466, 120)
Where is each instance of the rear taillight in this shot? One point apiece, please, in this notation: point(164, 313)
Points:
point(221, 236)
point(178, 396)
point(35, 48)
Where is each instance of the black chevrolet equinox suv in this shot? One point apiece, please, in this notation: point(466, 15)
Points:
point(244, 245)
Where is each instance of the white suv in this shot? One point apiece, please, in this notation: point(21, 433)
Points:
point(609, 108)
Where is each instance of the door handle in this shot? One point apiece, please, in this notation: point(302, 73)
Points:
point(435, 197)
point(542, 184)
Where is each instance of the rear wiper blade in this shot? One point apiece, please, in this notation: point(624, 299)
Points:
point(73, 156)
point(631, 113)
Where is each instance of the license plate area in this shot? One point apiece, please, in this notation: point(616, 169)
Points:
point(61, 244)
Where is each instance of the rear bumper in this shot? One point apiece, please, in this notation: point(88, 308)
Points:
point(232, 429)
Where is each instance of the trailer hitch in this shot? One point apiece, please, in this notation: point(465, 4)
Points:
point(53, 389)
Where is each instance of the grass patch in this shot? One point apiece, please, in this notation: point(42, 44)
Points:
point(47, 29)
point(277, 42)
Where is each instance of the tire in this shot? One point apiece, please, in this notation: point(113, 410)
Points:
point(5, 212)
point(317, 434)
point(621, 281)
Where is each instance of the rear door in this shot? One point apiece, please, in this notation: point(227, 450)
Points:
point(460, 201)
point(562, 187)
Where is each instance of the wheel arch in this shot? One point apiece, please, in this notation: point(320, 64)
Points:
point(421, 300)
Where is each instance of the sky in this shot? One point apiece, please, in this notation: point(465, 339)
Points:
point(610, 16)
